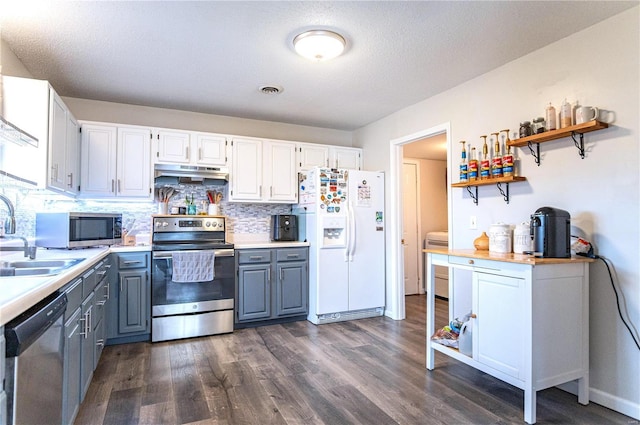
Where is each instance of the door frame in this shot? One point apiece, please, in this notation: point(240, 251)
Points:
point(416, 162)
point(396, 292)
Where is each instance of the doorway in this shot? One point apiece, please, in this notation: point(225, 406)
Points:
point(397, 290)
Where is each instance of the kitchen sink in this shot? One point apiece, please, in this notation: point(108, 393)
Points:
point(36, 267)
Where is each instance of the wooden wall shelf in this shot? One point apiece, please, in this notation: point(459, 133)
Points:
point(548, 136)
point(497, 181)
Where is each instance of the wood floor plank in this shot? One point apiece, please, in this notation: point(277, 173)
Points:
point(366, 371)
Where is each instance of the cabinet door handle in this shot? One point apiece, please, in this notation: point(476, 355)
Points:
point(269, 275)
point(271, 191)
point(70, 184)
point(119, 189)
point(261, 191)
point(113, 185)
point(107, 295)
point(100, 343)
point(473, 316)
point(102, 272)
point(281, 274)
point(186, 151)
point(471, 262)
point(199, 154)
point(101, 302)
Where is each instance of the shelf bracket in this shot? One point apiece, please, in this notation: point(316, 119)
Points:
point(579, 144)
point(536, 153)
point(473, 195)
point(505, 194)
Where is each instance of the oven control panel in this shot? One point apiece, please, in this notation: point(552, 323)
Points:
point(191, 224)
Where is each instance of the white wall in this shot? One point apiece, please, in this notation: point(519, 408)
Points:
point(92, 110)
point(598, 66)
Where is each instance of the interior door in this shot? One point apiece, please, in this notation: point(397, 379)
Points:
point(410, 234)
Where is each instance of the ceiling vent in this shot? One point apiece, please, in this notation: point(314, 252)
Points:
point(270, 89)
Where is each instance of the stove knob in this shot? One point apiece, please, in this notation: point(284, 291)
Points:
point(208, 224)
point(165, 224)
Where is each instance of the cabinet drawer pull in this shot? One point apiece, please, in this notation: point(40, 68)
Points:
point(471, 262)
point(256, 257)
point(473, 316)
point(129, 262)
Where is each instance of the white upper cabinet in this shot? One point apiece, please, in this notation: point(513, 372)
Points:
point(36, 108)
point(193, 148)
point(72, 164)
point(210, 149)
point(280, 176)
point(341, 157)
point(310, 155)
point(262, 171)
point(115, 161)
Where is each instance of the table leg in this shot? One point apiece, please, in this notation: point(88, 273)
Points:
point(530, 405)
point(430, 288)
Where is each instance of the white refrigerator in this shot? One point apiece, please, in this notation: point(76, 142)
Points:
point(341, 215)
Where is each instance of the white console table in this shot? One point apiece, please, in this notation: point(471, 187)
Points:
point(531, 325)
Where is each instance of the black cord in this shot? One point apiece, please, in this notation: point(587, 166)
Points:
point(615, 291)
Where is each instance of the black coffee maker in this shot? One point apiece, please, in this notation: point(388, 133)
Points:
point(551, 233)
point(284, 227)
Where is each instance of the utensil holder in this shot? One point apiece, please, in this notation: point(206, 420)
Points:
point(213, 209)
point(163, 208)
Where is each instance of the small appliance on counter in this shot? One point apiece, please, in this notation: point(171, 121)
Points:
point(284, 227)
point(551, 233)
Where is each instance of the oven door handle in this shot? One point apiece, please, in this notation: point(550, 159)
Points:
point(216, 252)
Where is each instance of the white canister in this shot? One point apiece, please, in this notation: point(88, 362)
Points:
point(500, 238)
point(522, 238)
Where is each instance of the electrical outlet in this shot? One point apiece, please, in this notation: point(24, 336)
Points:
point(473, 223)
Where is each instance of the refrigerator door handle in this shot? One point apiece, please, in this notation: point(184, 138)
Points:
point(351, 245)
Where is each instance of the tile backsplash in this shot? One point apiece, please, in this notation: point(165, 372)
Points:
point(242, 218)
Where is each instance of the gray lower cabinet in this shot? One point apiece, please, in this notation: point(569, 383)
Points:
point(129, 311)
point(83, 324)
point(271, 284)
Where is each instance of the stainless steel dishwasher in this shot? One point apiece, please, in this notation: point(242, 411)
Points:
point(34, 347)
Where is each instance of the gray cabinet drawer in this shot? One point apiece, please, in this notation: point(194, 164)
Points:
point(89, 282)
point(74, 296)
point(254, 256)
point(292, 254)
point(135, 260)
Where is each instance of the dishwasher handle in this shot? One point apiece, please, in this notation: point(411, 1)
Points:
point(25, 329)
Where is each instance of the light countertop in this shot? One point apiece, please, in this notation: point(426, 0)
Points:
point(509, 258)
point(19, 293)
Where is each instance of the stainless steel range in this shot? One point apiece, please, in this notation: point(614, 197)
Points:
point(192, 278)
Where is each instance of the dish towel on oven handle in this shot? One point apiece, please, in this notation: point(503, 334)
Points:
point(193, 266)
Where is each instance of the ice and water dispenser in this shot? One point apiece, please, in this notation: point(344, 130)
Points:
point(334, 232)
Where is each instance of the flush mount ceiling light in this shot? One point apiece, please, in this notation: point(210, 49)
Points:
point(319, 45)
point(270, 89)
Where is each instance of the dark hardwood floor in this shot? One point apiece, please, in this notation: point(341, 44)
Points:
point(368, 371)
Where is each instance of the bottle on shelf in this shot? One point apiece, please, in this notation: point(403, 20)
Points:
point(574, 108)
point(507, 158)
point(565, 114)
point(550, 117)
point(463, 165)
point(473, 166)
point(496, 161)
point(485, 162)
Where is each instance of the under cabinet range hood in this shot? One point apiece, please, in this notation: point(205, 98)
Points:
point(190, 174)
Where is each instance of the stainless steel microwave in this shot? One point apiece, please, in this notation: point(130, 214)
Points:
point(77, 229)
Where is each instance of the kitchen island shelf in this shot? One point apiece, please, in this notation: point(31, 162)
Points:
point(572, 131)
point(497, 181)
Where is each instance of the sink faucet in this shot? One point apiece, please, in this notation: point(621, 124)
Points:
point(10, 222)
point(10, 229)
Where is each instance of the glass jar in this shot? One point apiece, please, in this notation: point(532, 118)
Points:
point(538, 125)
point(525, 129)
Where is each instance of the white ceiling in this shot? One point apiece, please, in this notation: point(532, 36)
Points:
point(211, 56)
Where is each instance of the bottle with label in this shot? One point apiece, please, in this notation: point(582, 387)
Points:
point(507, 158)
point(496, 162)
point(463, 165)
point(473, 166)
point(565, 114)
point(550, 117)
point(485, 162)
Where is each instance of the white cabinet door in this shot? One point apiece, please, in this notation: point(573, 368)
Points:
point(98, 164)
point(245, 177)
point(173, 147)
point(312, 155)
point(210, 149)
point(115, 162)
point(134, 162)
point(73, 156)
point(349, 158)
point(280, 183)
point(57, 142)
point(499, 326)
